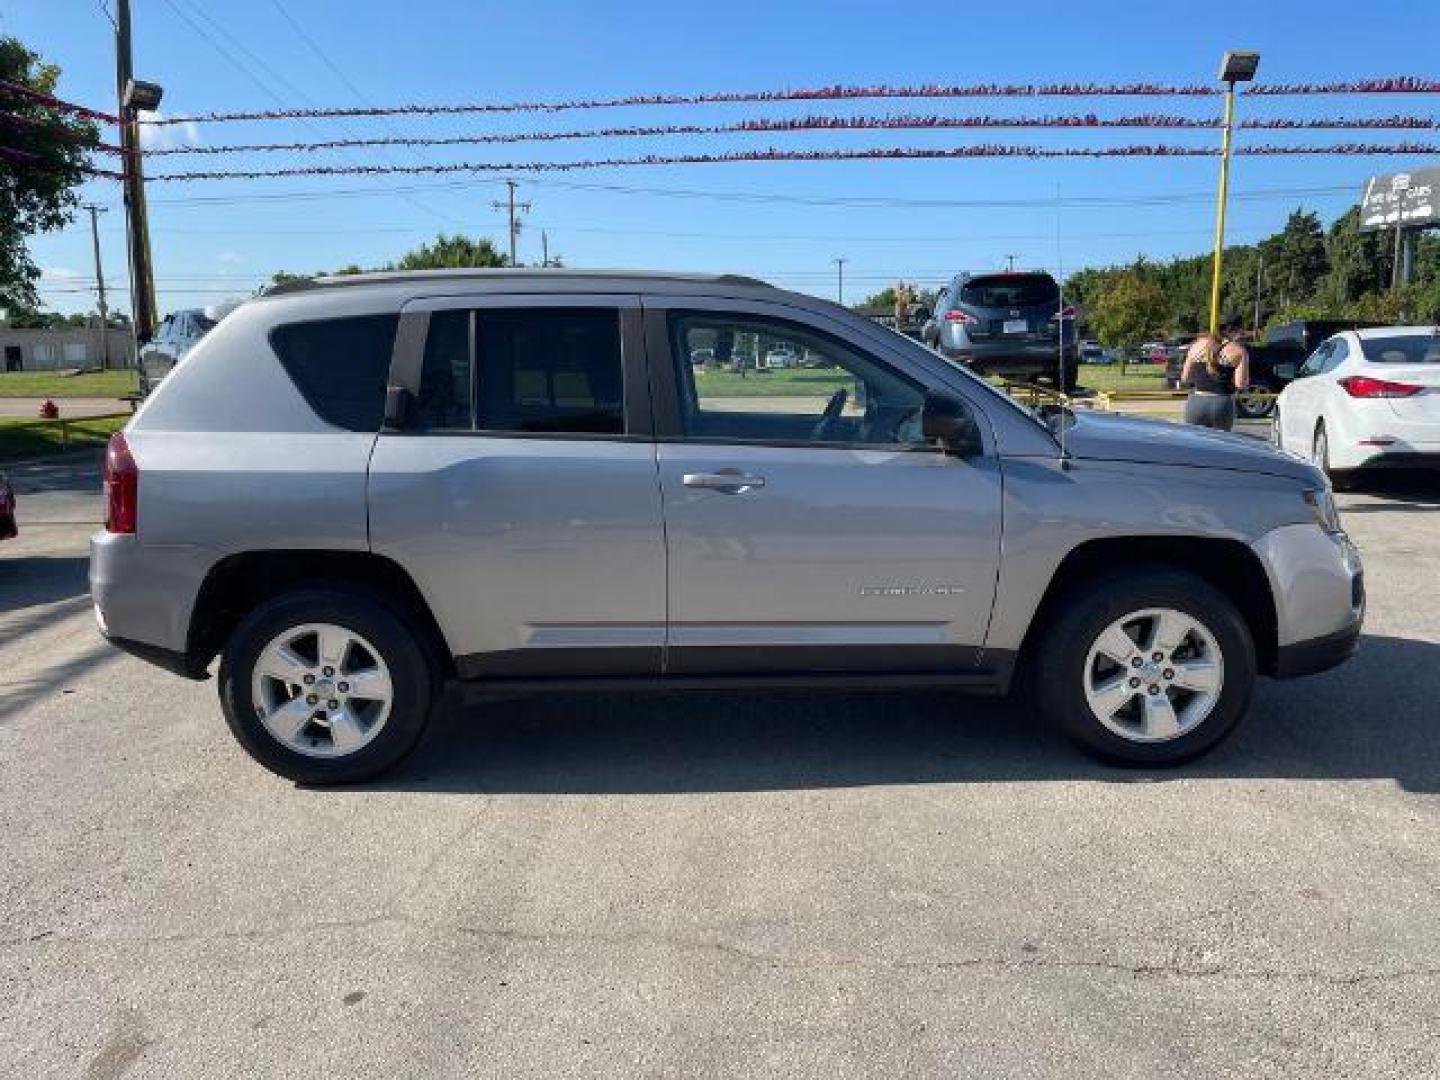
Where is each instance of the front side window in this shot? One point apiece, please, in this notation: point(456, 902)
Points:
point(539, 370)
point(340, 366)
point(1316, 362)
point(768, 380)
point(1339, 352)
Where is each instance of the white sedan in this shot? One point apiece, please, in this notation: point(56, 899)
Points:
point(1365, 398)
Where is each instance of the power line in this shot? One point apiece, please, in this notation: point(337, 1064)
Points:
point(984, 150)
point(275, 76)
point(1402, 84)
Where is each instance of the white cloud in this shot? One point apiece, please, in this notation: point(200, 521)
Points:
point(59, 273)
point(231, 258)
point(168, 136)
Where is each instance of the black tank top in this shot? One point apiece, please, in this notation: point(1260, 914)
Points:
point(1202, 380)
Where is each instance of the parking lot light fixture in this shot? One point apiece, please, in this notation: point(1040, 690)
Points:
point(1235, 67)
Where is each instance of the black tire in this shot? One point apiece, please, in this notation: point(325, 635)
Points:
point(1248, 408)
point(1088, 609)
point(412, 675)
point(1340, 479)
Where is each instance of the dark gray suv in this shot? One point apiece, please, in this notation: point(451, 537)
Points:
point(1011, 324)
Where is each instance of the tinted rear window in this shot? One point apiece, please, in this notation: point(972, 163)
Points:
point(1407, 349)
point(340, 366)
point(1010, 290)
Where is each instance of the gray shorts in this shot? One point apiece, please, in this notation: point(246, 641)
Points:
point(1210, 410)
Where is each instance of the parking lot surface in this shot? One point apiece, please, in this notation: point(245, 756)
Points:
point(798, 884)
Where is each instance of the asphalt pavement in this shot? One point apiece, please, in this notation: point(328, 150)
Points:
point(791, 884)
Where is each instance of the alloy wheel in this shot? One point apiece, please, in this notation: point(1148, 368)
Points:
point(1154, 675)
point(322, 690)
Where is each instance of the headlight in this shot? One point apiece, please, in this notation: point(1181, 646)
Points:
point(1322, 506)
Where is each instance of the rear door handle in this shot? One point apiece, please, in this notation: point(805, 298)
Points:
point(727, 481)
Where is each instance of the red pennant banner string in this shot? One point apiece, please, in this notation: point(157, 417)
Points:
point(1399, 84)
point(894, 153)
point(829, 123)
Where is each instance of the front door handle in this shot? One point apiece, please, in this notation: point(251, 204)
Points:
point(727, 481)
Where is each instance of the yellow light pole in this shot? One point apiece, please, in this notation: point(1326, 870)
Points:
point(1236, 67)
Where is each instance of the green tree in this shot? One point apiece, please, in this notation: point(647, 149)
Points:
point(1128, 311)
point(43, 164)
point(1359, 263)
point(450, 252)
point(1295, 258)
point(445, 253)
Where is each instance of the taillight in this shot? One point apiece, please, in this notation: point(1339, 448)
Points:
point(1363, 386)
point(960, 316)
point(122, 487)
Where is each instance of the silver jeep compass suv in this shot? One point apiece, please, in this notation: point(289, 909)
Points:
point(357, 489)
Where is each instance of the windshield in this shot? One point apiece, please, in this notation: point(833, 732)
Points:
point(1010, 290)
point(1403, 348)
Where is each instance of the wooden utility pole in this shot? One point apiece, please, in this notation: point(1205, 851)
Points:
point(511, 205)
point(1259, 284)
point(100, 304)
point(840, 280)
point(142, 276)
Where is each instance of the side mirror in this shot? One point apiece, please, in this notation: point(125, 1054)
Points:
point(397, 407)
point(949, 422)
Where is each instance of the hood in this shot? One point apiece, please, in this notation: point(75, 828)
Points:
point(1101, 436)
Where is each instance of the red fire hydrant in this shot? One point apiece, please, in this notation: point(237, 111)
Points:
point(49, 410)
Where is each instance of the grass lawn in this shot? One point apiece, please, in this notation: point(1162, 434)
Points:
point(49, 384)
point(32, 438)
point(821, 382)
point(1136, 377)
point(784, 382)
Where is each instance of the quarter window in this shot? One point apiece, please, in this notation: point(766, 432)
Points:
point(767, 380)
point(340, 366)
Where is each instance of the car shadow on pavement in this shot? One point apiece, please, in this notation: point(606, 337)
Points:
point(1403, 490)
point(31, 580)
point(1374, 718)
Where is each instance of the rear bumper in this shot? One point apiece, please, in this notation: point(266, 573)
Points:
point(144, 594)
point(1007, 357)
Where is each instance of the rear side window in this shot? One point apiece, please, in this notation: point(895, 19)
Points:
point(1010, 290)
point(538, 370)
point(550, 370)
point(340, 366)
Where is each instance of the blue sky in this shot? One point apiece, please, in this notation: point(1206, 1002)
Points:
point(229, 54)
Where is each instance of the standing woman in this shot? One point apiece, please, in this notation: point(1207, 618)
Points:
point(1215, 368)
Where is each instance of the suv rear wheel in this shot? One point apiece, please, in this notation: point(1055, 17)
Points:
point(326, 686)
point(1146, 667)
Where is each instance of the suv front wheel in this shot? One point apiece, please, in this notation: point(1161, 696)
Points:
point(326, 686)
point(1146, 667)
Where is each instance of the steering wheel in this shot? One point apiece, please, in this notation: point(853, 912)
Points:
point(833, 409)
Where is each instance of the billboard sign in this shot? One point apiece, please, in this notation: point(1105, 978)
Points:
point(1407, 198)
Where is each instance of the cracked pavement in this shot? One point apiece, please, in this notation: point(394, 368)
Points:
point(760, 884)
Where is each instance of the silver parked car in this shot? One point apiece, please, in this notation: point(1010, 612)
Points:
point(177, 334)
point(367, 486)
